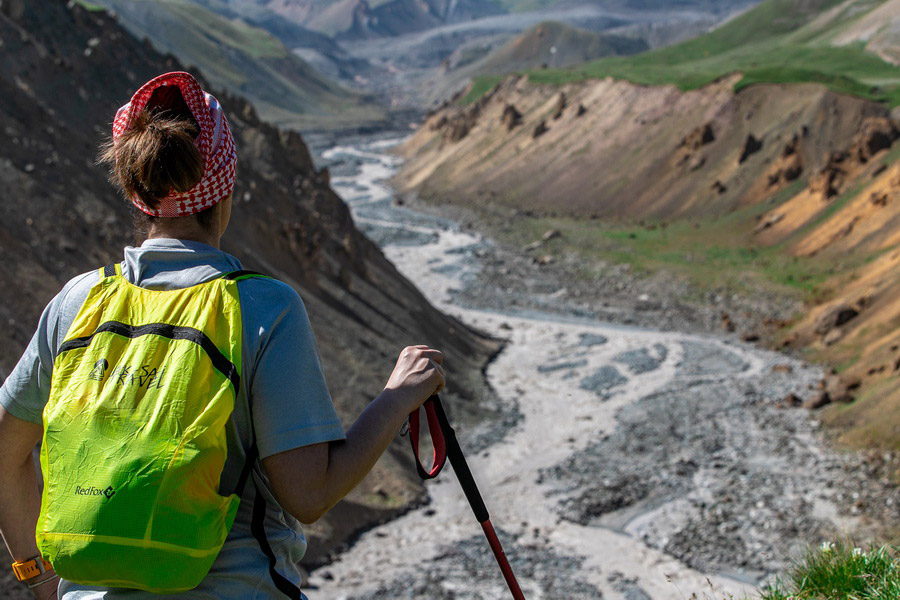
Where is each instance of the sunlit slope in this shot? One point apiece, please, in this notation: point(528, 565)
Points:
point(785, 190)
point(778, 41)
point(249, 61)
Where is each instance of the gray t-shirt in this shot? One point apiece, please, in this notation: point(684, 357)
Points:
point(282, 375)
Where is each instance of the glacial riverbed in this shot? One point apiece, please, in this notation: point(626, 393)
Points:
point(642, 465)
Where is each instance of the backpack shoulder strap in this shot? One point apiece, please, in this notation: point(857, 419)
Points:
point(111, 270)
point(257, 527)
point(244, 274)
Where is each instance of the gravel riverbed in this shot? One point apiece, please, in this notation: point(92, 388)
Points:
point(643, 459)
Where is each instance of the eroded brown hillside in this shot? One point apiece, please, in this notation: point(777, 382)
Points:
point(798, 170)
point(63, 73)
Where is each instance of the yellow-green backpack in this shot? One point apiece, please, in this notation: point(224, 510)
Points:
point(135, 435)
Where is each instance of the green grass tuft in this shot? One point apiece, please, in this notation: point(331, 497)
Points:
point(90, 6)
point(481, 86)
point(840, 571)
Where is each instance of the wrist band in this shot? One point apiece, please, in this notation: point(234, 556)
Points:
point(43, 581)
point(31, 568)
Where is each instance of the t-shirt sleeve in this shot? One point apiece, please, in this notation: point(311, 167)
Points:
point(27, 389)
point(290, 401)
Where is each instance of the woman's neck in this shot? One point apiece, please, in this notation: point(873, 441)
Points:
point(182, 229)
point(189, 228)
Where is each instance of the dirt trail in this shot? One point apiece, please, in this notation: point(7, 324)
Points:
point(640, 465)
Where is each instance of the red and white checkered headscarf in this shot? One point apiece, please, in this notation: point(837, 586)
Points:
point(215, 143)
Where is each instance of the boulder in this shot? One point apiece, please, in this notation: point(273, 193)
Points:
point(457, 129)
point(790, 401)
point(698, 138)
point(833, 337)
point(875, 135)
point(727, 323)
point(539, 130)
point(560, 107)
point(751, 146)
point(770, 221)
point(829, 180)
point(511, 118)
point(879, 199)
point(786, 169)
point(839, 387)
point(817, 401)
point(835, 317)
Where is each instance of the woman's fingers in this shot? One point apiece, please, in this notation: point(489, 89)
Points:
point(435, 355)
point(443, 378)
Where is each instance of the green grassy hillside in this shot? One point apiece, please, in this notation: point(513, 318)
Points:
point(779, 41)
point(248, 61)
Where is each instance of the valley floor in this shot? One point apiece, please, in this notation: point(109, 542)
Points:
point(635, 462)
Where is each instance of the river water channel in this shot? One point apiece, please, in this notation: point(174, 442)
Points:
point(644, 465)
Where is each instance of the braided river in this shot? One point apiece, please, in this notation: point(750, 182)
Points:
point(639, 465)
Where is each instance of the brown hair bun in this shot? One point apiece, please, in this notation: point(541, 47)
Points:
point(156, 156)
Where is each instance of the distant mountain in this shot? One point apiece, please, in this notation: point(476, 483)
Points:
point(320, 51)
point(554, 44)
point(854, 22)
point(547, 44)
point(290, 32)
point(714, 6)
point(360, 19)
point(245, 59)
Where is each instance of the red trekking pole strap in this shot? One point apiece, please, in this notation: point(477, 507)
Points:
point(446, 446)
point(437, 440)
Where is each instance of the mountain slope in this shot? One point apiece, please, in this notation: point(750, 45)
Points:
point(766, 189)
point(547, 44)
point(359, 19)
point(554, 44)
point(777, 41)
point(724, 6)
point(64, 73)
point(878, 29)
point(247, 60)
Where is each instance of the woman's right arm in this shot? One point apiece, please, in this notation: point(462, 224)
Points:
point(309, 480)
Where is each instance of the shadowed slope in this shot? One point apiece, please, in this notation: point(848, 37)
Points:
point(64, 74)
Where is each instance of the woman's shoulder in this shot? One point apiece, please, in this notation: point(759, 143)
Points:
point(266, 292)
point(75, 292)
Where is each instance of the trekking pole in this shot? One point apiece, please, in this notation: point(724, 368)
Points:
point(446, 446)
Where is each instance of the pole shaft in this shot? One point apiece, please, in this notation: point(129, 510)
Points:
point(467, 482)
point(500, 555)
